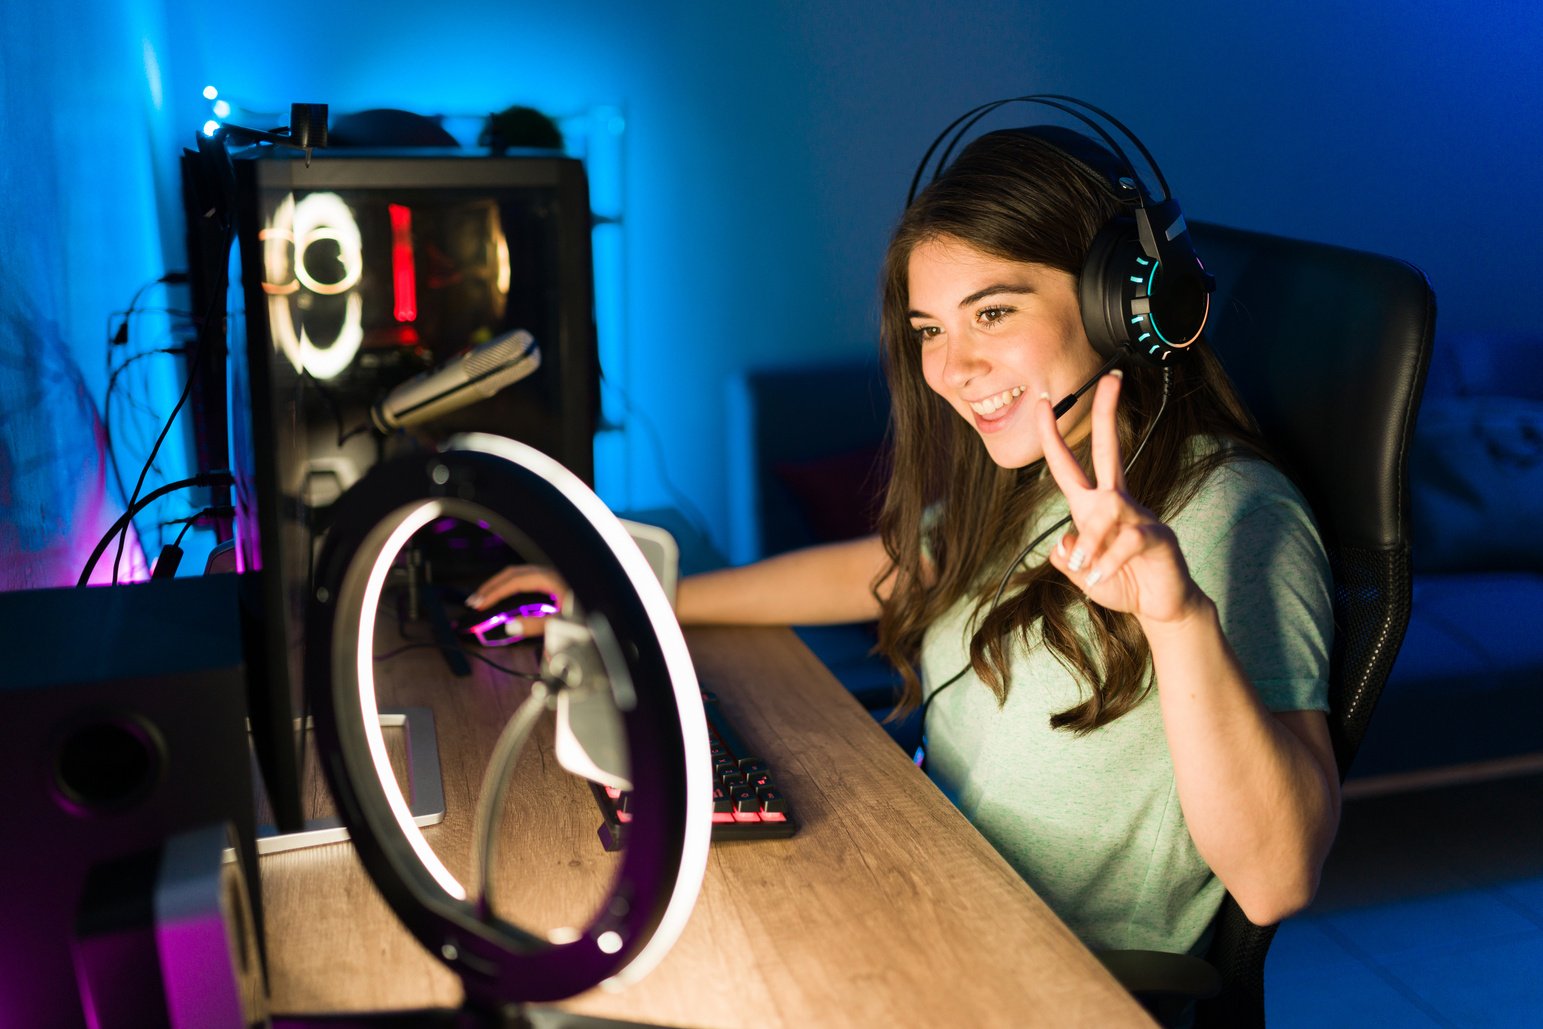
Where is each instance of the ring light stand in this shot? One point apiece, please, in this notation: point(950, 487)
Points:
point(542, 509)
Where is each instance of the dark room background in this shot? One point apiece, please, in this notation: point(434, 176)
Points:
point(767, 148)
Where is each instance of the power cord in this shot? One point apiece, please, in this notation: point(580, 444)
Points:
point(171, 555)
point(216, 298)
point(120, 527)
point(107, 409)
point(120, 336)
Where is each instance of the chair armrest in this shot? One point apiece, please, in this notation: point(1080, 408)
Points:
point(1165, 984)
point(1160, 972)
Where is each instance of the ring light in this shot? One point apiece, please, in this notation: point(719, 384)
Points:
point(543, 509)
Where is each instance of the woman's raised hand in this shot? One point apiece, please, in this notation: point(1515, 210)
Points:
point(1117, 552)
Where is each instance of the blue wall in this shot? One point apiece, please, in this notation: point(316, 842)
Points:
point(80, 231)
point(768, 147)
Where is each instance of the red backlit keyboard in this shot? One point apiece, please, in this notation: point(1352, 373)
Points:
point(747, 801)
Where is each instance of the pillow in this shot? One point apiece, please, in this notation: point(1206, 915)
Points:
point(839, 496)
point(1476, 478)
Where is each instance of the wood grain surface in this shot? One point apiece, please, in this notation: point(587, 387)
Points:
point(886, 909)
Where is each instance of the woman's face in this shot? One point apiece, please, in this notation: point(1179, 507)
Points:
point(995, 334)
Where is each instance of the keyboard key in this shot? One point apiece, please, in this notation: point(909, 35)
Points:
point(748, 805)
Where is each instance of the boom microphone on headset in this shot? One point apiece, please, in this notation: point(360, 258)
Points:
point(1067, 402)
point(475, 375)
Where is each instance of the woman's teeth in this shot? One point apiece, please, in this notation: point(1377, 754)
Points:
point(993, 404)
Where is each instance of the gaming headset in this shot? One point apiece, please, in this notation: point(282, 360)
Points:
point(1142, 288)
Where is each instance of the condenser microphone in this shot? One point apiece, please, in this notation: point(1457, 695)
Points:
point(475, 375)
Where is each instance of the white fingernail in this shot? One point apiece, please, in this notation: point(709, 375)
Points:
point(1093, 578)
point(1118, 373)
point(1060, 548)
point(1044, 396)
point(475, 600)
point(1078, 559)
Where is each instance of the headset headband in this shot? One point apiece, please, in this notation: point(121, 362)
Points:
point(961, 125)
point(1141, 288)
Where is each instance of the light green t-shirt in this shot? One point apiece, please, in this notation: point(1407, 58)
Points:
point(1093, 822)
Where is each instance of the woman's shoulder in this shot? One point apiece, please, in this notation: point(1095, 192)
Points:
point(1236, 483)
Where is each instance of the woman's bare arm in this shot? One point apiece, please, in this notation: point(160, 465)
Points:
point(820, 585)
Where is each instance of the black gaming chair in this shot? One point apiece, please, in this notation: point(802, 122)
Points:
point(1329, 347)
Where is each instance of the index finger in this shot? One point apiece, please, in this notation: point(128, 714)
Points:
point(1106, 432)
point(1068, 474)
point(515, 579)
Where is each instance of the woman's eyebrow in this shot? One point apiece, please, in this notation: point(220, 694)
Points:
point(980, 294)
point(1001, 287)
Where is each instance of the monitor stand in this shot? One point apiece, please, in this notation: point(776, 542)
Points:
point(425, 787)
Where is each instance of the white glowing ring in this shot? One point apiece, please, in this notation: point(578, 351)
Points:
point(688, 693)
point(364, 653)
point(374, 520)
point(318, 216)
point(321, 362)
point(328, 216)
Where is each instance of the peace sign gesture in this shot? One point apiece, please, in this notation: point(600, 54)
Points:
point(1117, 552)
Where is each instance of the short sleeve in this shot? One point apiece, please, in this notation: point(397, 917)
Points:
point(1255, 551)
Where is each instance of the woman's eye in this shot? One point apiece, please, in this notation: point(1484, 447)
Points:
point(989, 315)
point(926, 332)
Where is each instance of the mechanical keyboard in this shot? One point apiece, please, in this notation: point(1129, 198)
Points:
point(747, 801)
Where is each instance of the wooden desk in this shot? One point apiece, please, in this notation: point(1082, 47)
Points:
point(887, 908)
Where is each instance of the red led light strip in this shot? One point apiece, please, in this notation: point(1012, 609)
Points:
point(404, 280)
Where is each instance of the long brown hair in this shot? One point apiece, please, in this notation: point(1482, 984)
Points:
point(1016, 197)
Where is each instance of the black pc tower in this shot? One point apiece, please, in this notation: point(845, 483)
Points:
point(324, 280)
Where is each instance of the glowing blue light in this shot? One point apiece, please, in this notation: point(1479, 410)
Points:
point(210, 92)
point(211, 127)
point(221, 109)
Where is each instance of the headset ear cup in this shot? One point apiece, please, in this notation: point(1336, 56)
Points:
point(1153, 309)
point(1101, 287)
point(1181, 303)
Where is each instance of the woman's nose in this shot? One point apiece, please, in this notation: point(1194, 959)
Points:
point(962, 361)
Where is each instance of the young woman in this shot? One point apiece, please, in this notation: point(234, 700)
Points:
point(1129, 704)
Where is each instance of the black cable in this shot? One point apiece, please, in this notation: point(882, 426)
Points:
point(171, 555)
point(187, 523)
point(121, 525)
point(921, 751)
point(217, 298)
point(119, 337)
point(170, 278)
point(331, 400)
point(139, 483)
point(107, 409)
point(1002, 585)
point(468, 651)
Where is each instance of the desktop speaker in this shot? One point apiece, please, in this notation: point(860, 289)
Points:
point(126, 789)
